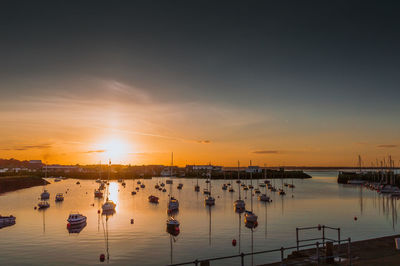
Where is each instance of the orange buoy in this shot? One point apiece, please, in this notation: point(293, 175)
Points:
point(234, 242)
point(131, 221)
point(68, 225)
point(35, 207)
point(319, 227)
point(102, 257)
point(98, 211)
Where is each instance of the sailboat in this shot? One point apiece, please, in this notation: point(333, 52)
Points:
point(173, 204)
point(173, 230)
point(97, 192)
point(239, 204)
point(197, 187)
point(263, 197)
point(209, 200)
point(224, 186)
point(45, 194)
point(231, 185)
point(133, 184)
point(108, 206)
point(250, 218)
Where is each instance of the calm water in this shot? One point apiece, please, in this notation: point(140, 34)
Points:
point(41, 237)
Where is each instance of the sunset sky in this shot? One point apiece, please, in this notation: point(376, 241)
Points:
point(305, 83)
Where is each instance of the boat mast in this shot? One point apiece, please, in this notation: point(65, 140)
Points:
point(251, 188)
point(239, 180)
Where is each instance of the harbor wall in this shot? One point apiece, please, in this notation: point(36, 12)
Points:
point(12, 183)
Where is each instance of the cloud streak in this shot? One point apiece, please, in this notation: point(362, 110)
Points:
point(388, 146)
point(96, 151)
point(266, 152)
point(28, 147)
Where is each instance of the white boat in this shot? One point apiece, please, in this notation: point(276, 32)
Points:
point(45, 195)
point(43, 205)
point(7, 220)
point(239, 205)
point(76, 218)
point(59, 197)
point(250, 217)
point(264, 198)
point(173, 204)
point(108, 206)
point(209, 201)
point(172, 223)
point(98, 193)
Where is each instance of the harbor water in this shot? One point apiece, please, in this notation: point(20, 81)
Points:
point(42, 236)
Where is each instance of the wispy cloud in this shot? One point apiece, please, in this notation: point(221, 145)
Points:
point(28, 147)
point(204, 141)
point(388, 146)
point(96, 151)
point(266, 152)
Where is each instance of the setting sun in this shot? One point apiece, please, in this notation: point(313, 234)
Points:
point(115, 149)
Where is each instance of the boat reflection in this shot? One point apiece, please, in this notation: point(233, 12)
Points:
point(76, 229)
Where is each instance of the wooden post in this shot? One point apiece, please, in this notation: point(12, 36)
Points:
point(349, 251)
point(282, 255)
point(323, 235)
point(242, 258)
point(297, 238)
point(317, 244)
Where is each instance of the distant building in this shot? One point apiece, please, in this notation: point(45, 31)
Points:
point(253, 169)
point(169, 171)
point(61, 168)
point(35, 164)
point(202, 168)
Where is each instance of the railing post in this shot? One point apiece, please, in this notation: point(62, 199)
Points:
point(338, 249)
point(323, 235)
point(349, 251)
point(282, 255)
point(196, 262)
point(242, 258)
point(297, 238)
point(317, 244)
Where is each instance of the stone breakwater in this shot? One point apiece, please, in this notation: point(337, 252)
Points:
point(12, 183)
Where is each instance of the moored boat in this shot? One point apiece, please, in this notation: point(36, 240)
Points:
point(76, 218)
point(59, 197)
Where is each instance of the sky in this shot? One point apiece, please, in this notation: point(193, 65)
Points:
point(277, 82)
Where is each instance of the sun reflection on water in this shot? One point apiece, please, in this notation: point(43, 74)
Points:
point(113, 192)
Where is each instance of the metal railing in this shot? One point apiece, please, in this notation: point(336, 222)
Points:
point(323, 237)
point(282, 250)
